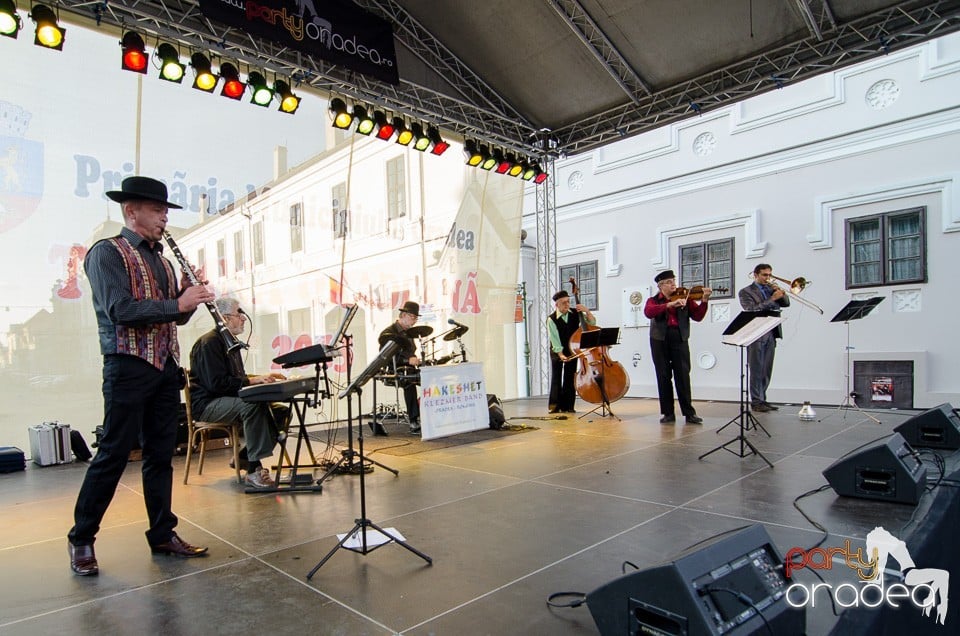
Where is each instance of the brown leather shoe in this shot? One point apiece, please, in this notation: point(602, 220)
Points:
point(83, 562)
point(176, 546)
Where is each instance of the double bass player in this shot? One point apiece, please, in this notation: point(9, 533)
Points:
point(562, 324)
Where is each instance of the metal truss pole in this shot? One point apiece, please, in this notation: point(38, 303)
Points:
point(546, 270)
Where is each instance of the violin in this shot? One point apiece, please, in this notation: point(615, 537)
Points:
point(695, 293)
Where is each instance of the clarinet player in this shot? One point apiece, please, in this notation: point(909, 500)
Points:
point(138, 305)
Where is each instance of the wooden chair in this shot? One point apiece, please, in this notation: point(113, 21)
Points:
point(199, 432)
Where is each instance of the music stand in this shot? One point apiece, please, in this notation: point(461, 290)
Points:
point(603, 337)
point(363, 523)
point(853, 310)
point(341, 332)
point(348, 454)
point(744, 330)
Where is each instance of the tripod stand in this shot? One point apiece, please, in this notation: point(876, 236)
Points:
point(751, 421)
point(745, 329)
point(366, 536)
point(853, 310)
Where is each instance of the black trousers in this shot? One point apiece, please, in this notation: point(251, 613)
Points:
point(671, 359)
point(563, 387)
point(412, 403)
point(139, 401)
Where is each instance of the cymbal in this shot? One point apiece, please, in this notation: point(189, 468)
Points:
point(419, 331)
point(455, 333)
point(308, 355)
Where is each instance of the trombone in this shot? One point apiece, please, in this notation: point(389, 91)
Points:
point(797, 285)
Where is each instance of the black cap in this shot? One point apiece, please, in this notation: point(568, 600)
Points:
point(411, 307)
point(664, 275)
point(560, 294)
point(142, 189)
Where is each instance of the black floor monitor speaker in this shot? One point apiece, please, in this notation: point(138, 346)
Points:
point(715, 589)
point(888, 470)
point(937, 428)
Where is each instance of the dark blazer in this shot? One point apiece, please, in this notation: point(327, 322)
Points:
point(751, 299)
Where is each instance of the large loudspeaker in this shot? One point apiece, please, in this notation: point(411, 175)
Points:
point(889, 470)
point(937, 428)
point(707, 591)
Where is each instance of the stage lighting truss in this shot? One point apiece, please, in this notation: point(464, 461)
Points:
point(342, 118)
point(289, 103)
point(171, 69)
point(10, 23)
point(232, 86)
point(262, 94)
point(49, 33)
point(133, 53)
point(204, 79)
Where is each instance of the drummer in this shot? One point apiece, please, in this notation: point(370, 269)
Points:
point(406, 356)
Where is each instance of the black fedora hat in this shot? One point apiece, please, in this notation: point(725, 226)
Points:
point(411, 308)
point(142, 189)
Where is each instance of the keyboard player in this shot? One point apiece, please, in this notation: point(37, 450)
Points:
point(216, 377)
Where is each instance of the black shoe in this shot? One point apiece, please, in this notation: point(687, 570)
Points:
point(760, 407)
point(553, 410)
point(668, 419)
point(694, 419)
point(771, 406)
point(415, 428)
point(83, 561)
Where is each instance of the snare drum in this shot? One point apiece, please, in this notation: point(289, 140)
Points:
point(405, 376)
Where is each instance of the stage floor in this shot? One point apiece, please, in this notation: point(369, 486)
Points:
point(507, 521)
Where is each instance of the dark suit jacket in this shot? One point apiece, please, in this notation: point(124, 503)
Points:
point(751, 299)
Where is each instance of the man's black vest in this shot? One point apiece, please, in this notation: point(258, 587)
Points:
point(566, 329)
point(658, 325)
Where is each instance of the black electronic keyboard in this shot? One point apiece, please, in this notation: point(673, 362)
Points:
point(277, 391)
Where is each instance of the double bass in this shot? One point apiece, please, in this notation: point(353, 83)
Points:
point(600, 379)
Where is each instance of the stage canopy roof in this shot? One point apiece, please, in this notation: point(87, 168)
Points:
point(565, 75)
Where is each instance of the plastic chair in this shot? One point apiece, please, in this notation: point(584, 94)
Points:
point(198, 432)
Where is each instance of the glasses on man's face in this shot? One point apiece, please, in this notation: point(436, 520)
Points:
point(236, 315)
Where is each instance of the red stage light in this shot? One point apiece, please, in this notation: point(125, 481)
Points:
point(232, 86)
point(385, 129)
point(134, 56)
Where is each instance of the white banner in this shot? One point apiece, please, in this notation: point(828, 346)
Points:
point(454, 400)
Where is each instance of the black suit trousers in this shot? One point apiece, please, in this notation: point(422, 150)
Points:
point(139, 401)
point(671, 359)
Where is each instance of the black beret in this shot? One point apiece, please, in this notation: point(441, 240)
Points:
point(664, 275)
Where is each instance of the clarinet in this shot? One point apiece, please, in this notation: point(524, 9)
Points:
point(228, 338)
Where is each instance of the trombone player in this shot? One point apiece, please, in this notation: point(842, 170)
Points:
point(762, 295)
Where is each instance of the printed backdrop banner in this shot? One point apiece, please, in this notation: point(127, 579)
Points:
point(339, 33)
point(454, 400)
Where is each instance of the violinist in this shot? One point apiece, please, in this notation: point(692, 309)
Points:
point(762, 294)
point(562, 324)
point(670, 314)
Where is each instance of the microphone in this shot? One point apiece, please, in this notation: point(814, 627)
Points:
point(241, 311)
point(451, 321)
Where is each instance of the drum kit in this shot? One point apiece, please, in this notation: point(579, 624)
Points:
point(407, 375)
